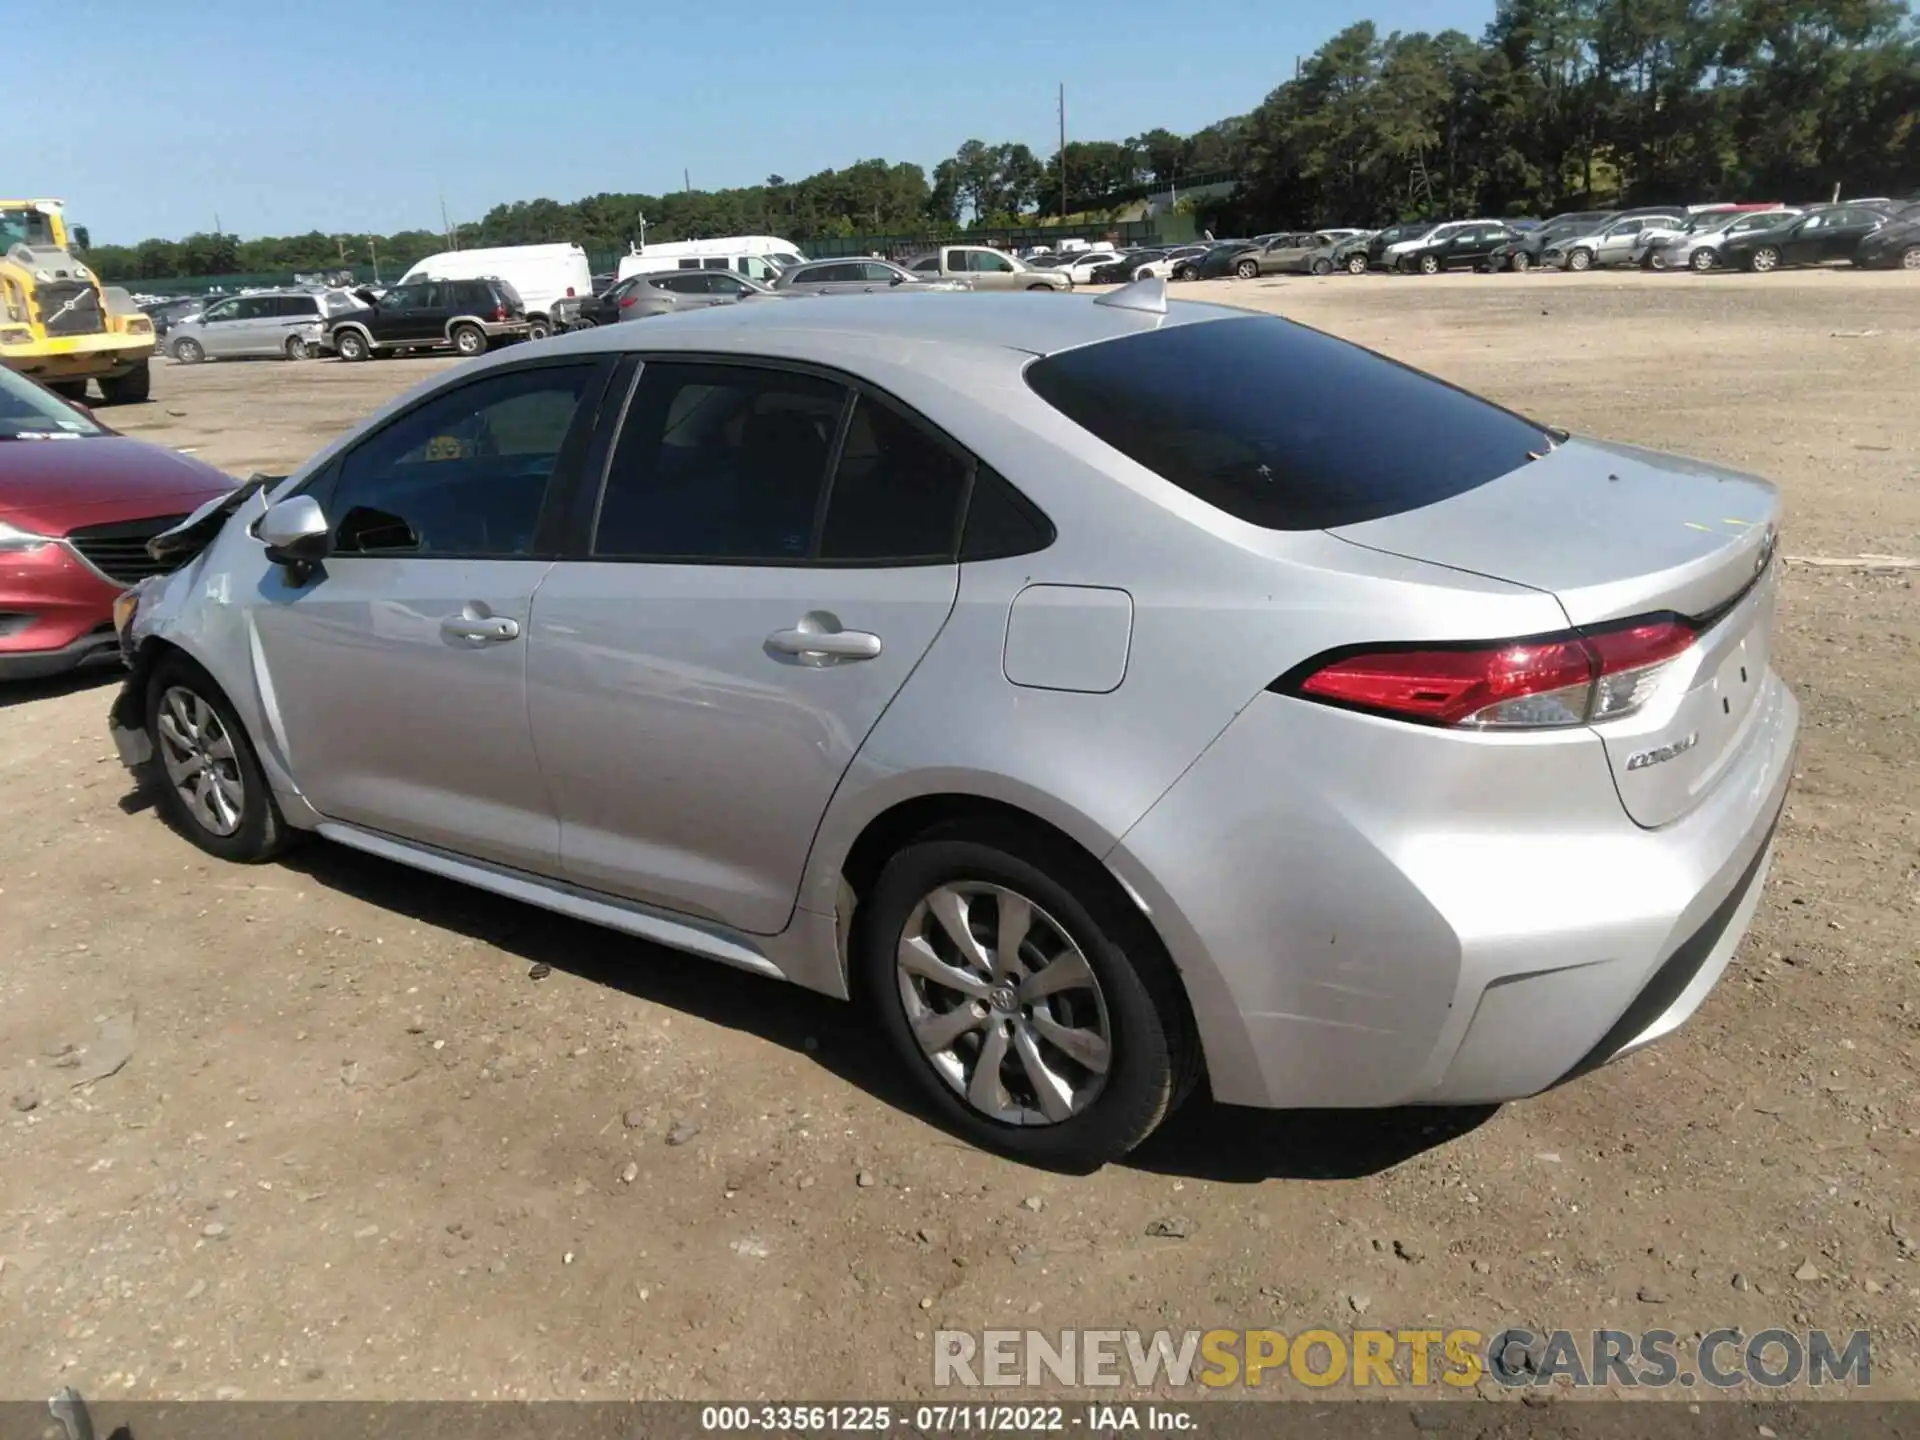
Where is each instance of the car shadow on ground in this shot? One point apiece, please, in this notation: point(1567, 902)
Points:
point(1203, 1140)
point(103, 678)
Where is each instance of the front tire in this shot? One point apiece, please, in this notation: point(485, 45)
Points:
point(1701, 261)
point(1910, 258)
point(469, 340)
point(1764, 261)
point(74, 390)
point(188, 352)
point(205, 774)
point(1032, 288)
point(133, 388)
point(1321, 266)
point(1356, 265)
point(1247, 269)
point(1580, 260)
point(1429, 265)
point(1035, 1011)
point(1520, 263)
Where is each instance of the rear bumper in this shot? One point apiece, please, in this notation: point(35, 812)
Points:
point(502, 329)
point(1364, 916)
point(56, 613)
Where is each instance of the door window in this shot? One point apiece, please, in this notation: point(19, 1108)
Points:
point(988, 262)
point(253, 307)
point(404, 297)
point(874, 273)
point(463, 474)
point(718, 462)
point(897, 491)
point(301, 307)
point(719, 284)
point(225, 310)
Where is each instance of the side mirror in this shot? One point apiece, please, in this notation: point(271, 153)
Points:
point(295, 532)
point(897, 280)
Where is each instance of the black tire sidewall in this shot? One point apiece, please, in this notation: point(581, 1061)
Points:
point(460, 332)
point(1141, 1086)
point(262, 833)
point(188, 352)
point(351, 346)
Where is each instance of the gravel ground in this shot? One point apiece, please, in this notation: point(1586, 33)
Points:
point(357, 1149)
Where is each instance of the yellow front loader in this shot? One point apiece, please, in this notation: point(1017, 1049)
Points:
point(57, 322)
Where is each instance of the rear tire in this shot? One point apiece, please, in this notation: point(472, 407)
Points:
point(1429, 264)
point(1321, 266)
point(1764, 261)
point(1702, 261)
point(1910, 258)
point(188, 352)
point(298, 349)
point(352, 345)
point(538, 330)
point(1126, 997)
point(133, 388)
point(205, 775)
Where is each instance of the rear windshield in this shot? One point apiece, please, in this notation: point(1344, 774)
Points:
point(1282, 426)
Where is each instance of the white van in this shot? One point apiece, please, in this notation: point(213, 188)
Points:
point(541, 274)
point(758, 257)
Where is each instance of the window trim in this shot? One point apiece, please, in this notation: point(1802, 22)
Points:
point(550, 530)
point(595, 475)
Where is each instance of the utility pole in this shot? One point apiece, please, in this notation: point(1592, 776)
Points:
point(686, 180)
point(374, 254)
point(216, 224)
point(446, 229)
point(341, 241)
point(1063, 152)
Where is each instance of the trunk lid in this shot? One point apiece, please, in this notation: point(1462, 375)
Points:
point(1614, 532)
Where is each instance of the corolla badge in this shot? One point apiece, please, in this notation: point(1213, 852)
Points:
point(1661, 753)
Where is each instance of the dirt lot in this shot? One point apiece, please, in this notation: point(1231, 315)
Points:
point(358, 1151)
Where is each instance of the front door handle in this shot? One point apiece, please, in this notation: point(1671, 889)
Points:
point(819, 640)
point(491, 627)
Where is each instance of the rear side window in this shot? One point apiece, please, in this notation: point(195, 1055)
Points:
point(718, 462)
point(897, 491)
point(1283, 426)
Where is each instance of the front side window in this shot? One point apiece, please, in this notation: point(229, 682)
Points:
point(225, 310)
point(990, 263)
point(718, 462)
point(404, 297)
point(718, 284)
point(463, 474)
point(930, 263)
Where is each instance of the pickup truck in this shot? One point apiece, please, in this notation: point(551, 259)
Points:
point(985, 268)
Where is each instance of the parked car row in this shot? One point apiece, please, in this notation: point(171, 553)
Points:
point(1874, 232)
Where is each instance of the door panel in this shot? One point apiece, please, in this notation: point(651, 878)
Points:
point(219, 333)
point(690, 760)
point(699, 690)
point(393, 723)
point(396, 672)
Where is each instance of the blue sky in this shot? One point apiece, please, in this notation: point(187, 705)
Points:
point(356, 116)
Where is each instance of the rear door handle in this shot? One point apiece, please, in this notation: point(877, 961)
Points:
point(492, 627)
point(818, 638)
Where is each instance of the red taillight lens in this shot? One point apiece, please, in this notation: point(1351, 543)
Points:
point(500, 312)
point(627, 300)
point(569, 292)
point(1569, 679)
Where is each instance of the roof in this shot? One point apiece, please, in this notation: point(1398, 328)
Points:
point(1037, 324)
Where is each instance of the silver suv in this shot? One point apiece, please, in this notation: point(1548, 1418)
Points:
point(1096, 689)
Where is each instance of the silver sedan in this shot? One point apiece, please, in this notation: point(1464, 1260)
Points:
point(1112, 694)
point(856, 277)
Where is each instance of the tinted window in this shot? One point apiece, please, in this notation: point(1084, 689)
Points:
point(463, 474)
point(875, 273)
point(404, 297)
point(1281, 425)
point(929, 262)
point(718, 462)
point(303, 306)
point(254, 307)
point(689, 264)
point(897, 491)
point(986, 260)
point(1001, 521)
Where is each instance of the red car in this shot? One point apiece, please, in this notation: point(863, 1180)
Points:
point(77, 505)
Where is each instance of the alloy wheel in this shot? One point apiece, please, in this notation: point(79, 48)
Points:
point(1702, 261)
point(200, 760)
point(1910, 258)
point(1765, 258)
point(1003, 1003)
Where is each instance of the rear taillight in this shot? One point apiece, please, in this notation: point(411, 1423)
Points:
point(1570, 679)
point(500, 312)
point(626, 300)
point(569, 292)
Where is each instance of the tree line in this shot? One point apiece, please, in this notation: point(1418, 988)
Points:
point(1559, 104)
